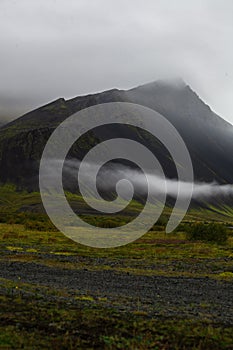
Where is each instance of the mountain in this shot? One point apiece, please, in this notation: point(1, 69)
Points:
point(208, 137)
point(3, 121)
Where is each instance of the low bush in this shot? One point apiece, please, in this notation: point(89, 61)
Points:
point(106, 221)
point(216, 233)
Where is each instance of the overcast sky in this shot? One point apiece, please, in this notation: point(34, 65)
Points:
point(58, 48)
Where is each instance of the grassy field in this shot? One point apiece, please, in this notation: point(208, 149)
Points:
point(56, 294)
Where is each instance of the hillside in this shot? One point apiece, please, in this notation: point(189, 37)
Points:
point(207, 136)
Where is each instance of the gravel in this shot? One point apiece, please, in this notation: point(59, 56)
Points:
point(202, 298)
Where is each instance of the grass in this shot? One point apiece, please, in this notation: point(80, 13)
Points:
point(35, 316)
point(33, 323)
point(30, 321)
point(54, 326)
point(173, 254)
point(93, 322)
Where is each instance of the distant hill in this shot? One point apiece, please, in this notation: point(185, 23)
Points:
point(208, 137)
point(3, 121)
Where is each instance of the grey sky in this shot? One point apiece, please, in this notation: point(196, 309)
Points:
point(57, 48)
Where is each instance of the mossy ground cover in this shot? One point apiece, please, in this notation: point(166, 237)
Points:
point(42, 316)
point(36, 324)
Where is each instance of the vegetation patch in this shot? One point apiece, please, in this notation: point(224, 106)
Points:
point(213, 232)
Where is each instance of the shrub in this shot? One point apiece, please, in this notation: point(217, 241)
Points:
point(105, 221)
point(216, 233)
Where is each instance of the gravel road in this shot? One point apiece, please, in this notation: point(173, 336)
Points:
point(167, 296)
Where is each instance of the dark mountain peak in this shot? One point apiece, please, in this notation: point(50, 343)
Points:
point(54, 102)
point(176, 83)
point(77, 103)
point(54, 112)
point(173, 96)
point(40, 117)
point(50, 106)
point(94, 95)
point(207, 136)
point(169, 87)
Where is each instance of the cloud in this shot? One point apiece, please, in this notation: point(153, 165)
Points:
point(110, 174)
point(52, 48)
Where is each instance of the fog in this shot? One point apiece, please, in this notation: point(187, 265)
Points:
point(56, 48)
point(110, 174)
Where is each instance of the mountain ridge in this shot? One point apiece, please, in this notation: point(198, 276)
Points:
point(207, 135)
point(178, 82)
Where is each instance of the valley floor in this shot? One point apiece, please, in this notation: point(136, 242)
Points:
point(160, 292)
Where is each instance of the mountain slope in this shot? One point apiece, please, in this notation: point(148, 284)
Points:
point(207, 136)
